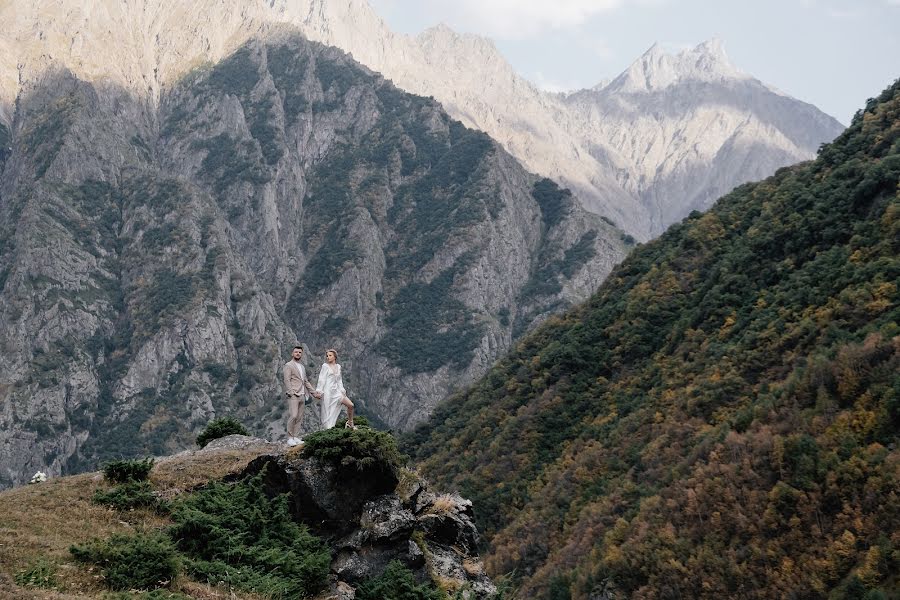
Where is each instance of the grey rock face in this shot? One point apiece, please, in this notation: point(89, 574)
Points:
point(159, 261)
point(436, 539)
point(321, 491)
point(384, 519)
point(680, 131)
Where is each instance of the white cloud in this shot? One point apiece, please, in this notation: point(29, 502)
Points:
point(517, 19)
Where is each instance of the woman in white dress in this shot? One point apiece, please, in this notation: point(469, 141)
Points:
point(334, 395)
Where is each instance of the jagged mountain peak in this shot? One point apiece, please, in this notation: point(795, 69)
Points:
point(443, 40)
point(657, 69)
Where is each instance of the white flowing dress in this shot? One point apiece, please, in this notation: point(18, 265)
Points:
point(332, 387)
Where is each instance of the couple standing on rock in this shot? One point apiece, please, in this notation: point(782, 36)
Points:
point(329, 391)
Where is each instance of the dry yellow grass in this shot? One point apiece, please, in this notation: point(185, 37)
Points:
point(443, 505)
point(40, 522)
point(182, 473)
point(43, 520)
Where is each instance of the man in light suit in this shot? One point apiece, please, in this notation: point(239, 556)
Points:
point(297, 389)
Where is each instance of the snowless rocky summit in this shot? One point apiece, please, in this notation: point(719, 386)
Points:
point(669, 135)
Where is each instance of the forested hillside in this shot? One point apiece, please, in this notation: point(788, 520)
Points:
point(721, 419)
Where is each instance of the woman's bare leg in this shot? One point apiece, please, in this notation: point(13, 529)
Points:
point(346, 402)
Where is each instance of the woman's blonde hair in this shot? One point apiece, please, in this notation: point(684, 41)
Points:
point(335, 353)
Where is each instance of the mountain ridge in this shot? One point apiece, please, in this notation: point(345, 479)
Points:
point(721, 418)
point(465, 73)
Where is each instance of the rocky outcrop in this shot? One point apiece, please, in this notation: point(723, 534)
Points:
point(372, 517)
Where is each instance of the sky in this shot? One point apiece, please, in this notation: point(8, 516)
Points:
point(834, 54)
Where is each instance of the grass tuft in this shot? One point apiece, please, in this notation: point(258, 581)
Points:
point(42, 574)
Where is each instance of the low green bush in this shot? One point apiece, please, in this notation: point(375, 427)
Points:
point(360, 449)
point(397, 583)
point(132, 562)
point(221, 427)
point(236, 534)
point(128, 496)
point(123, 471)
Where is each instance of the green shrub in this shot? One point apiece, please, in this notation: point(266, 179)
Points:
point(221, 427)
point(555, 202)
point(235, 534)
point(130, 495)
point(360, 449)
point(426, 322)
point(42, 574)
point(139, 562)
point(124, 471)
point(396, 583)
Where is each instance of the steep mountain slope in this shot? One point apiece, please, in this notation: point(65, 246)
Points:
point(682, 130)
point(721, 419)
point(159, 261)
point(642, 156)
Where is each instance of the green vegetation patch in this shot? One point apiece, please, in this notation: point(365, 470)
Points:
point(218, 428)
point(238, 74)
point(545, 281)
point(555, 202)
point(288, 67)
point(229, 161)
point(44, 134)
point(429, 328)
point(446, 198)
point(125, 471)
point(362, 449)
point(397, 583)
point(132, 562)
point(163, 299)
point(42, 574)
point(130, 496)
point(234, 533)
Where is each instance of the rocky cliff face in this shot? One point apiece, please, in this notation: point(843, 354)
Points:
point(669, 135)
point(681, 130)
point(159, 259)
point(373, 517)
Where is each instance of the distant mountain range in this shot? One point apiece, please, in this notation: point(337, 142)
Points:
point(722, 418)
point(669, 135)
point(189, 188)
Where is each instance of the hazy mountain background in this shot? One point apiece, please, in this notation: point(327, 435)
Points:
point(184, 197)
point(721, 419)
point(669, 135)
